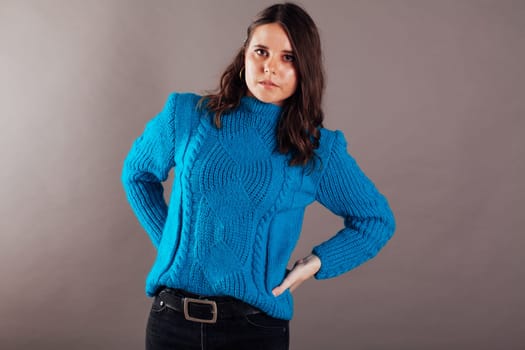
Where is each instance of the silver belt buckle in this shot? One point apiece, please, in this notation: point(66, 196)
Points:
point(200, 301)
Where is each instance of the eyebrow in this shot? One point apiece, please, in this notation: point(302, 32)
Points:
point(267, 48)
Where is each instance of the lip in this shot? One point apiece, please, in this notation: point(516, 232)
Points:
point(267, 83)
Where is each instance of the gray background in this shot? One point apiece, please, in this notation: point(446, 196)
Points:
point(430, 95)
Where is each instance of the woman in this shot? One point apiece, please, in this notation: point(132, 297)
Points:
point(248, 161)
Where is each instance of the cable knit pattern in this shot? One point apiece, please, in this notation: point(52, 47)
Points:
point(236, 206)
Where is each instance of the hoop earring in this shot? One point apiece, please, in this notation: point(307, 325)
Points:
point(240, 73)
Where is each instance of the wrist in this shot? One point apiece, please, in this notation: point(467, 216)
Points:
point(313, 260)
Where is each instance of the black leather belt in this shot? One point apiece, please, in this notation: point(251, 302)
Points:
point(204, 309)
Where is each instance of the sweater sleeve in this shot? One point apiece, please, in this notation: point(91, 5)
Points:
point(147, 165)
point(368, 220)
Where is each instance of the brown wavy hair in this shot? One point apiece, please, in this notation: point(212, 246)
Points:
point(297, 130)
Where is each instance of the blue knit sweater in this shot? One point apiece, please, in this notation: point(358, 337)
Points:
point(236, 206)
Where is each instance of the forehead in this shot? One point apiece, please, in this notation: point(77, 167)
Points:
point(271, 35)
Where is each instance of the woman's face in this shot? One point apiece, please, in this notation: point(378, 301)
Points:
point(269, 65)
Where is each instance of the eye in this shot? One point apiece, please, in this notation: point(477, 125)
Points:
point(289, 58)
point(260, 52)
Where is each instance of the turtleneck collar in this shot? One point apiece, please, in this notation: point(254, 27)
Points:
point(254, 114)
point(254, 105)
point(264, 113)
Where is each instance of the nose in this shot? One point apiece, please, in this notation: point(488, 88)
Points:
point(270, 65)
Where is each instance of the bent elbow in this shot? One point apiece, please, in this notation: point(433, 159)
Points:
point(389, 222)
point(380, 231)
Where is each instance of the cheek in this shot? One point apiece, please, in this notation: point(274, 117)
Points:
point(291, 77)
point(250, 68)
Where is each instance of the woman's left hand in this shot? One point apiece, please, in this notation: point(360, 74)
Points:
point(303, 269)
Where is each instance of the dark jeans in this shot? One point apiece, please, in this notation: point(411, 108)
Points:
point(168, 329)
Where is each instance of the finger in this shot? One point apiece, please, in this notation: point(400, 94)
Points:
point(295, 277)
point(277, 291)
point(286, 283)
point(297, 283)
point(280, 289)
point(294, 287)
point(300, 279)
